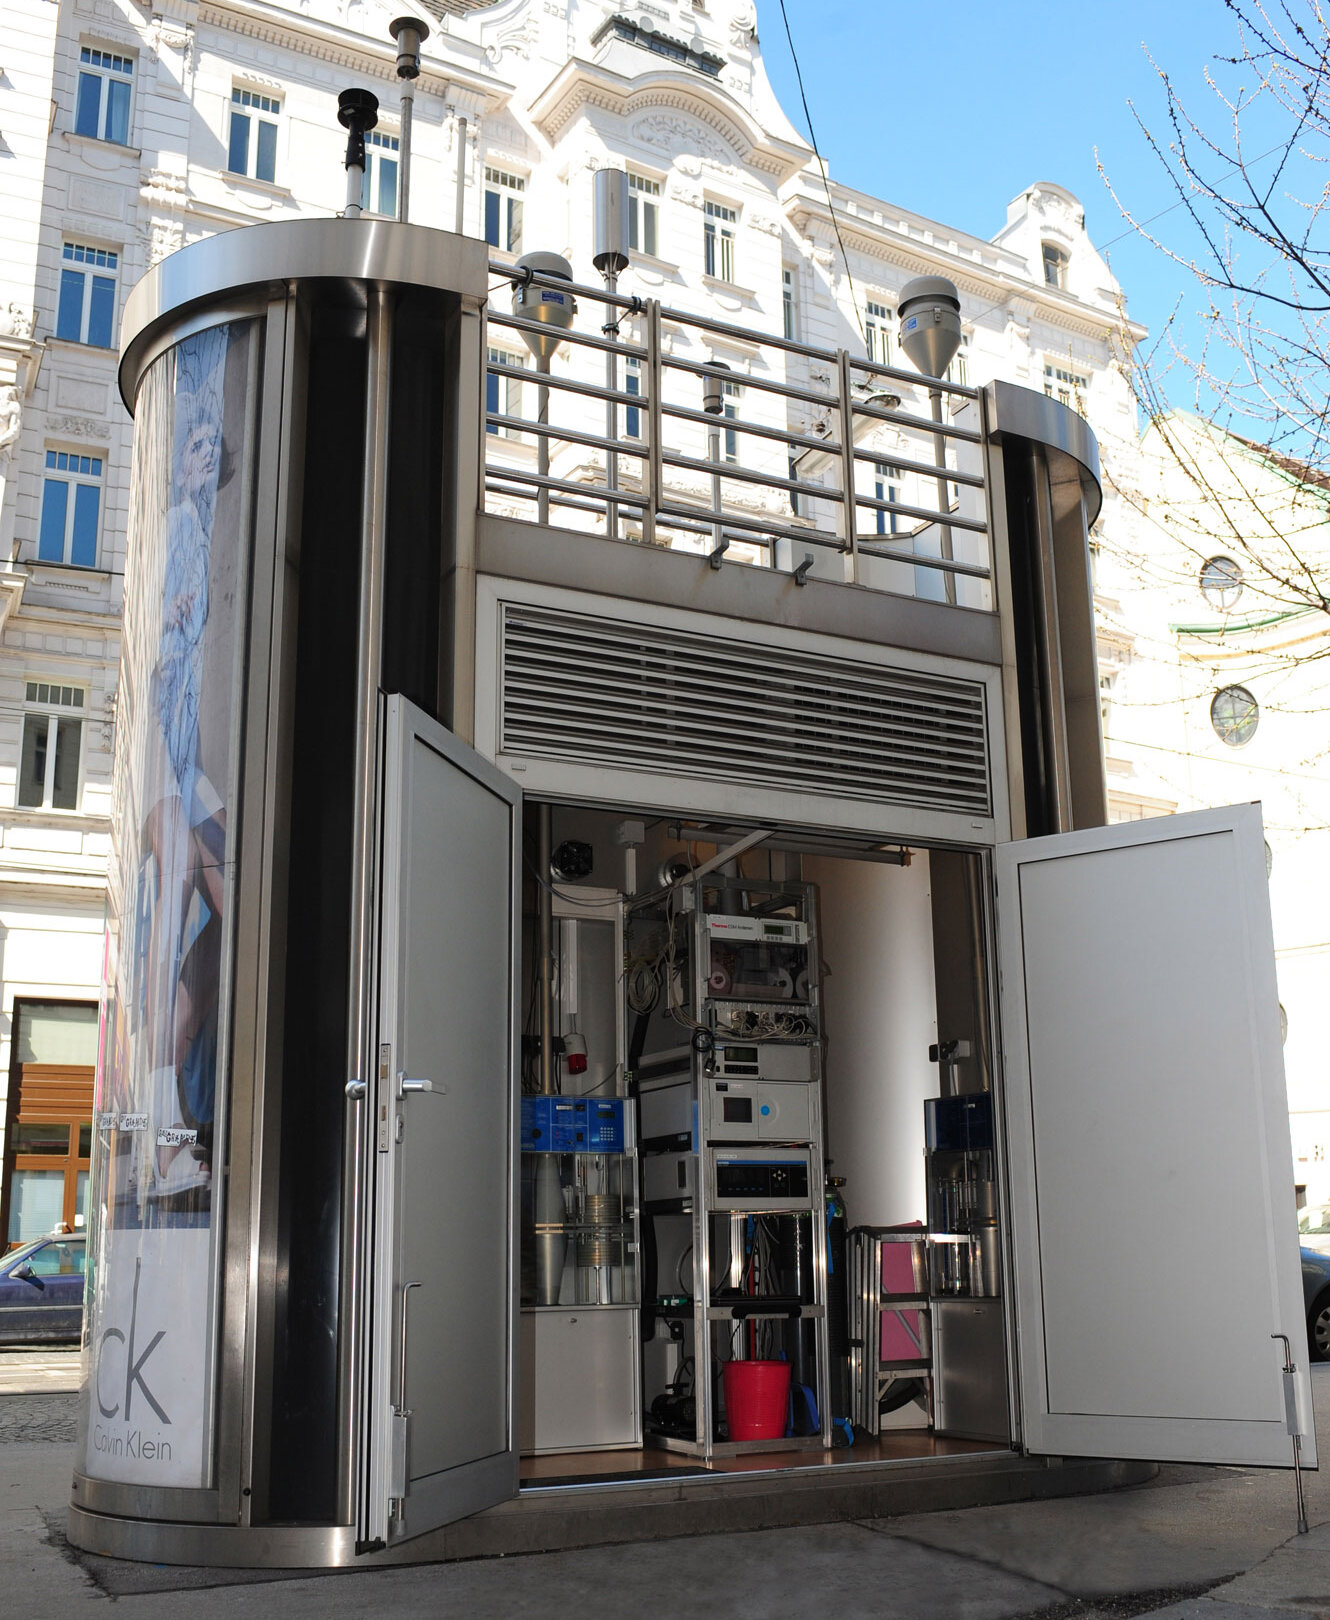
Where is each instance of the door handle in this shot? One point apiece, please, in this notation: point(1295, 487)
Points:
point(405, 1086)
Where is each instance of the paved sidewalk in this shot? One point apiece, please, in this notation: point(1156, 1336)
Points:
point(1195, 1544)
point(54, 1369)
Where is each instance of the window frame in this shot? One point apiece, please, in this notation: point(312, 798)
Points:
point(53, 710)
point(1056, 259)
point(888, 481)
point(1229, 734)
point(261, 108)
point(89, 271)
point(500, 388)
point(632, 384)
point(644, 194)
point(732, 393)
point(107, 67)
point(878, 320)
point(719, 236)
point(380, 140)
point(504, 186)
point(789, 302)
point(70, 478)
point(1066, 386)
point(1223, 597)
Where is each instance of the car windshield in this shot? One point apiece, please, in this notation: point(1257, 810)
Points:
point(1315, 1219)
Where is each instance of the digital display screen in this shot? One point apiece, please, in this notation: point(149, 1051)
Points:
point(738, 1110)
point(739, 1054)
point(773, 928)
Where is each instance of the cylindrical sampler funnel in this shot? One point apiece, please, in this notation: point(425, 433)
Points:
point(302, 395)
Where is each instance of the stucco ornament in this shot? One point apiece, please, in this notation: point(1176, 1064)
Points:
point(682, 135)
point(11, 423)
point(16, 322)
point(743, 22)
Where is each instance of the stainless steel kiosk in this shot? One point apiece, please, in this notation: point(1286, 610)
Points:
point(346, 678)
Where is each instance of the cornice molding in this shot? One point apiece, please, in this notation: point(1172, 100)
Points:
point(580, 84)
point(324, 42)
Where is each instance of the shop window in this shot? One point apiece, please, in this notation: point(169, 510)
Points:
point(71, 509)
point(1221, 582)
point(252, 142)
point(503, 209)
point(48, 1142)
point(1235, 715)
point(378, 194)
point(718, 240)
point(105, 87)
point(51, 756)
point(643, 213)
point(86, 309)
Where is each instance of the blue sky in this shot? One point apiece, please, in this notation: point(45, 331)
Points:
point(953, 109)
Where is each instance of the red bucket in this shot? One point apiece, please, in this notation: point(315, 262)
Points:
point(757, 1399)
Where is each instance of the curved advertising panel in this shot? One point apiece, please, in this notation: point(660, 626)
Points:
point(163, 1070)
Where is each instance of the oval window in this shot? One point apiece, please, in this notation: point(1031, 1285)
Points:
point(1234, 714)
point(1221, 582)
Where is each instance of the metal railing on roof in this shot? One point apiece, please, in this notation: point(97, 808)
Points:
point(785, 455)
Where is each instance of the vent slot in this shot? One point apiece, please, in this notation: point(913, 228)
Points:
point(600, 692)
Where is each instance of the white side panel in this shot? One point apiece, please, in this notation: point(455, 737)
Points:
point(1154, 1237)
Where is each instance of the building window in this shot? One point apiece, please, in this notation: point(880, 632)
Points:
point(71, 509)
point(503, 209)
point(49, 1142)
point(48, 773)
point(718, 240)
point(102, 107)
point(1055, 265)
point(789, 305)
point(632, 384)
point(378, 194)
point(1068, 387)
point(959, 370)
point(886, 487)
point(877, 333)
point(643, 213)
point(1221, 582)
point(86, 311)
point(733, 394)
point(503, 395)
point(1234, 714)
point(252, 148)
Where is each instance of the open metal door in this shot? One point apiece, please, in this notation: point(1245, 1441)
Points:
point(1154, 1237)
point(442, 1426)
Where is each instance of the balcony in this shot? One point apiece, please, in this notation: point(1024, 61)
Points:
point(664, 428)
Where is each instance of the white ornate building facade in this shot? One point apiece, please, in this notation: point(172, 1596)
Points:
point(131, 127)
point(1213, 647)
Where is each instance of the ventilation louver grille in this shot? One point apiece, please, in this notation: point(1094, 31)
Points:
point(604, 693)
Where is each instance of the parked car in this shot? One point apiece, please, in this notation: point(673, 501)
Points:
point(1316, 1297)
point(1314, 1227)
point(41, 1290)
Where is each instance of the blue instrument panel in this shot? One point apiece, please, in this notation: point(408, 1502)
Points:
point(572, 1125)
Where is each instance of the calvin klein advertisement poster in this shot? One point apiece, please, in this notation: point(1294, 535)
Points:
point(151, 1324)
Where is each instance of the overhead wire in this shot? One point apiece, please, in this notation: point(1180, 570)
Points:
point(826, 183)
